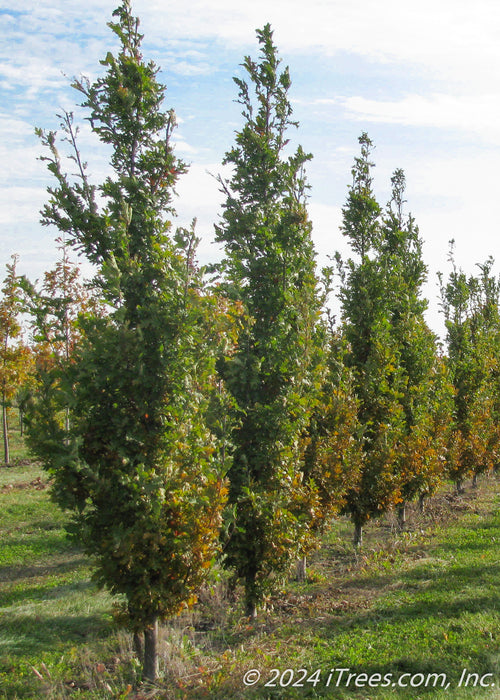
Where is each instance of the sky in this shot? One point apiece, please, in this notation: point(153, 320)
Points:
point(421, 78)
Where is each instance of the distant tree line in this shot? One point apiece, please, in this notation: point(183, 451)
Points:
point(189, 415)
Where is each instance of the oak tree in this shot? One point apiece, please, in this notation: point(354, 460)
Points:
point(425, 396)
point(373, 354)
point(275, 369)
point(470, 307)
point(138, 467)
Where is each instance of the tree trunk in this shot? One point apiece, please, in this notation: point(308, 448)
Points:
point(460, 486)
point(421, 502)
point(358, 533)
point(250, 596)
point(150, 668)
point(5, 433)
point(402, 516)
point(138, 646)
point(21, 422)
point(301, 569)
point(474, 481)
point(251, 610)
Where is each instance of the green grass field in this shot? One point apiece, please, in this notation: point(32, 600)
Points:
point(407, 617)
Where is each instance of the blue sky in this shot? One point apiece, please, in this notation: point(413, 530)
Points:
point(421, 78)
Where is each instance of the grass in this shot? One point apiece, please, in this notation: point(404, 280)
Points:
point(17, 447)
point(423, 603)
point(50, 612)
point(415, 608)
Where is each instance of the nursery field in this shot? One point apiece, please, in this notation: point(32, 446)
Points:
point(185, 407)
point(411, 615)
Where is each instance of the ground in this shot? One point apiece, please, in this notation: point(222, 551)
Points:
point(413, 614)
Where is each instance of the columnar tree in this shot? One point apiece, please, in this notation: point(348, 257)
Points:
point(373, 354)
point(487, 319)
point(274, 372)
point(332, 455)
point(425, 395)
point(137, 464)
point(472, 339)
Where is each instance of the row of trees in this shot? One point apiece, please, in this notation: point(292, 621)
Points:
point(185, 417)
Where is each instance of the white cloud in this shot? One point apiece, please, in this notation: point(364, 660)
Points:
point(190, 69)
point(326, 220)
point(13, 130)
point(199, 198)
point(30, 73)
point(457, 179)
point(452, 39)
point(182, 148)
point(21, 204)
point(475, 113)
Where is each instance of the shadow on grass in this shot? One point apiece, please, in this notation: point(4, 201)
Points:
point(448, 578)
point(452, 592)
point(30, 634)
point(39, 539)
point(18, 572)
point(49, 525)
point(54, 591)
